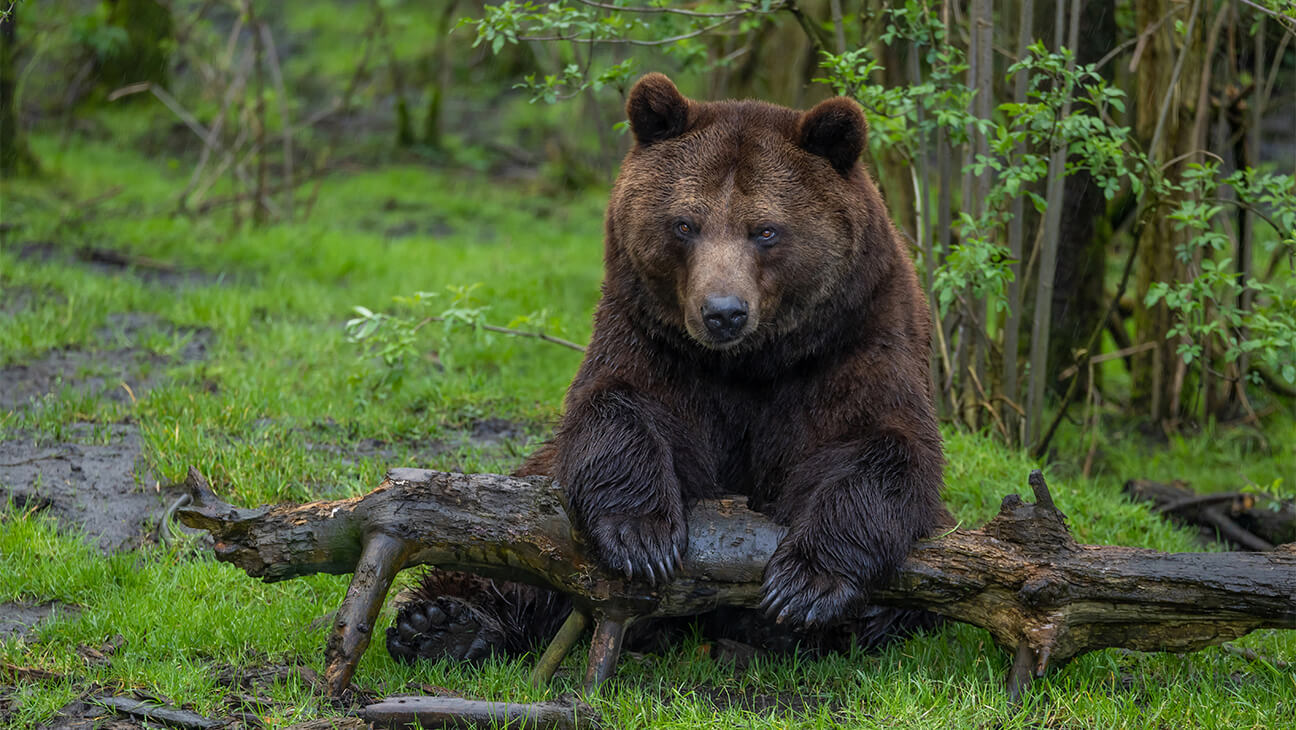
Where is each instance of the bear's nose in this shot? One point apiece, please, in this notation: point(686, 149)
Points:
point(724, 317)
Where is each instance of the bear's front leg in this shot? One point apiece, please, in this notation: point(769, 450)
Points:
point(854, 512)
point(615, 458)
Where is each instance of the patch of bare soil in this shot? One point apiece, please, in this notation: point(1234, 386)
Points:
point(92, 478)
point(19, 298)
point(414, 218)
point(99, 488)
point(18, 618)
point(493, 431)
point(249, 686)
point(118, 358)
point(489, 434)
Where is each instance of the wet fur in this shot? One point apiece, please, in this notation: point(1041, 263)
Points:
point(820, 412)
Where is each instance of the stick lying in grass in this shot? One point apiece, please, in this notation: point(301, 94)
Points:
point(1022, 576)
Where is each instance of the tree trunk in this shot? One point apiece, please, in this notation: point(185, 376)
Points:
point(439, 78)
point(1168, 76)
point(260, 194)
point(1016, 229)
point(983, 105)
point(1078, 293)
point(893, 168)
point(1056, 194)
point(1021, 576)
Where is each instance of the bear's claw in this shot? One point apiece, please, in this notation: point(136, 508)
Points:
point(644, 547)
point(796, 591)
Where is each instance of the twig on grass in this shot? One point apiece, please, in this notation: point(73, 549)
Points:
point(160, 714)
point(537, 334)
point(1252, 655)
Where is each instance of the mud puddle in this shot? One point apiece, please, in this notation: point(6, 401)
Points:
point(91, 477)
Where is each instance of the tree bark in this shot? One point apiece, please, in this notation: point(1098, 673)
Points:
point(894, 168)
point(1079, 297)
point(1167, 73)
point(1055, 192)
point(1022, 576)
point(1016, 227)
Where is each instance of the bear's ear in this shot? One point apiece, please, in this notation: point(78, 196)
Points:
point(656, 109)
point(834, 129)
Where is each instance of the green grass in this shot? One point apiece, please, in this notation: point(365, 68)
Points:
point(279, 379)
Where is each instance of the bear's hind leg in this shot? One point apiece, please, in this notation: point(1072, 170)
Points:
point(468, 618)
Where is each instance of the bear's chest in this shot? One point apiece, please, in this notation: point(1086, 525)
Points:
point(751, 433)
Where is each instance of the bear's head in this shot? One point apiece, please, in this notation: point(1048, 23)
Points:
point(735, 223)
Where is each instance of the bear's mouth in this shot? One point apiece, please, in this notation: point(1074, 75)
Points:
point(719, 345)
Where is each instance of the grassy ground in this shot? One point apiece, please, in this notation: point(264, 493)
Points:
point(231, 356)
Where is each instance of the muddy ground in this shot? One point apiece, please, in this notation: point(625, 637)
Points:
point(18, 618)
point(114, 366)
point(102, 490)
point(93, 478)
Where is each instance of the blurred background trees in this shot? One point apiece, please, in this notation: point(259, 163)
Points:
point(1099, 195)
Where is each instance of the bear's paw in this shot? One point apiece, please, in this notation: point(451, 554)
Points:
point(648, 546)
point(443, 627)
point(799, 591)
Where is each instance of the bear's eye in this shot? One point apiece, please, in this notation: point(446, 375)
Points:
point(766, 235)
point(684, 229)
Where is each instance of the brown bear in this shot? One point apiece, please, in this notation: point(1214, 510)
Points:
point(761, 332)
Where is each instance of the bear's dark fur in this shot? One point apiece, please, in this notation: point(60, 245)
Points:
point(761, 332)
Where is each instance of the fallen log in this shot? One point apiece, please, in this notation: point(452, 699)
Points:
point(1249, 521)
point(1022, 576)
